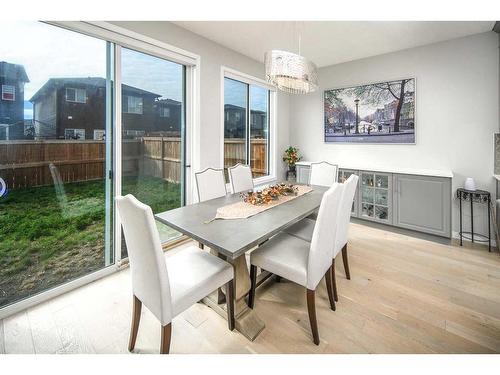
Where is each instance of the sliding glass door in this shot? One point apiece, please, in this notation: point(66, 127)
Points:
point(55, 143)
point(153, 136)
point(82, 119)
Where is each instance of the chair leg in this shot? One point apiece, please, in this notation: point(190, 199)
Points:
point(200, 245)
point(230, 304)
point(136, 318)
point(311, 309)
point(334, 281)
point(253, 285)
point(346, 262)
point(329, 288)
point(166, 335)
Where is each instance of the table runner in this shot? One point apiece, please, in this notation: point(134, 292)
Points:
point(243, 210)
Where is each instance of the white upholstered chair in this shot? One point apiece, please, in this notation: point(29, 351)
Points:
point(210, 184)
point(304, 229)
point(300, 261)
point(323, 174)
point(167, 285)
point(240, 177)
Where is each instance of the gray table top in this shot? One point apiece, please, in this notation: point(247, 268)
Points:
point(233, 237)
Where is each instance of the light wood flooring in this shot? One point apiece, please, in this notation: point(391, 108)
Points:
point(406, 295)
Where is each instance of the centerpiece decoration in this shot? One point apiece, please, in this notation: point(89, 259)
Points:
point(269, 194)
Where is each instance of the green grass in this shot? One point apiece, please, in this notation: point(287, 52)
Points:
point(37, 228)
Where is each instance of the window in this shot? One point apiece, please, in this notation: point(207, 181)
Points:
point(246, 126)
point(165, 112)
point(74, 133)
point(99, 135)
point(132, 104)
point(8, 93)
point(76, 95)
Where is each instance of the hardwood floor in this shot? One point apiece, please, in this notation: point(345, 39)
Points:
point(406, 295)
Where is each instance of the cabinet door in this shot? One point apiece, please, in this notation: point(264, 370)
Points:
point(423, 203)
point(303, 174)
point(375, 197)
point(344, 174)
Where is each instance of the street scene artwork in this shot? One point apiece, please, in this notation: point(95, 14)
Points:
point(373, 113)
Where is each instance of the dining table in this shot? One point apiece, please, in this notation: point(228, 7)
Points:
point(230, 239)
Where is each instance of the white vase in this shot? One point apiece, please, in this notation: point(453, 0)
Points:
point(470, 184)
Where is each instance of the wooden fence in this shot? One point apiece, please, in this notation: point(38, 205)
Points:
point(25, 164)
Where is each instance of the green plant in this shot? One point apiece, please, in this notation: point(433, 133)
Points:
point(291, 156)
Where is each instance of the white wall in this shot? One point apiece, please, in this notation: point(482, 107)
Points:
point(212, 56)
point(456, 111)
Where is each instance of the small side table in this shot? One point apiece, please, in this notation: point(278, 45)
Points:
point(476, 196)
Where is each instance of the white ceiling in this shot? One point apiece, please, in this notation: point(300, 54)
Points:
point(331, 42)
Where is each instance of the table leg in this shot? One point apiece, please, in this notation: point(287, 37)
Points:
point(247, 321)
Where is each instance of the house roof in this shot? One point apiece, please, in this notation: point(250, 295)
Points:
point(13, 71)
point(98, 82)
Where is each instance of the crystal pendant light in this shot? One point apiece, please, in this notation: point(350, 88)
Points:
point(291, 72)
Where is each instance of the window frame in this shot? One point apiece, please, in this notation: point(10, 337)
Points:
point(79, 130)
point(127, 100)
point(272, 114)
point(76, 90)
point(4, 87)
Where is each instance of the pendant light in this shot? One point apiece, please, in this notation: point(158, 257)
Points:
point(291, 72)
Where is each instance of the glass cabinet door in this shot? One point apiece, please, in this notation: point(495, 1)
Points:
point(375, 196)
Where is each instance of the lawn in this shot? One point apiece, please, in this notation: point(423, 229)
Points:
point(47, 239)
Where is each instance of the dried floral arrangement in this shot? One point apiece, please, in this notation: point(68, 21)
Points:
point(269, 194)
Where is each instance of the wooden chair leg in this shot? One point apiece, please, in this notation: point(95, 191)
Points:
point(311, 309)
point(230, 304)
point(334, 282)
point(253, 285)
point(329, 288)
point(166, 335)
point(201, 246)
point(136, 318)
point(346, 262)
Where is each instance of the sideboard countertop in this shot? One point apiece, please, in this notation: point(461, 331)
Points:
point(415, 171)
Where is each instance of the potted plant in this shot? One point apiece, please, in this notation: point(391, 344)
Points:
point(291, 156)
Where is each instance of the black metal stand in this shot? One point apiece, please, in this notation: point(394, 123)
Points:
point(478, 196)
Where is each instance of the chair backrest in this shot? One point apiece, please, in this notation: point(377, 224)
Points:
point(323, 174)
point(240, 177)
point(345, 213)
point(210, 184)
point(323, 238)
point(150, 282)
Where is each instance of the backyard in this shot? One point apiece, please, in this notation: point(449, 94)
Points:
point(48, 238)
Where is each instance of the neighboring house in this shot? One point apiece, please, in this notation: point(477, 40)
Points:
point(235, 122)
point(13, 77)
point(169, 116)
point(75, 108)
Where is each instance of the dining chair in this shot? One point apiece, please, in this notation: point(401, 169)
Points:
point(167, 285)
point(304, 229)
point(240, 178)
point(323, 174)
point(302, 262)
point(210, 184)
